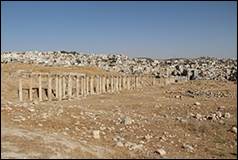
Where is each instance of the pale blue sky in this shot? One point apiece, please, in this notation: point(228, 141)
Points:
point(151, 29)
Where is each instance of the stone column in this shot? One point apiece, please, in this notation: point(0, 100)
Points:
point(97, 84)
point(149, 80)
point(82, 85)
point(94, 84)
point(64, 86)
point(103, 84)
point(87, 85)
point(69, 87)
point(107, 80)
point(116, 83)
point(40, 88)
point(100, 84)
point(20, 89)
point(60, 87)
point(30, 89)
point(128, 82)
point(124, 82)
point(119, 83)
point(153, 81)
point(111, 83)
point(131, 81)
point(56, 86)
point(77, 86)
point(91, 85)
point(49, 88)
point(121, 77)
point(141, 81)
point(144, 80)
point(136, 81)
point(110, 78)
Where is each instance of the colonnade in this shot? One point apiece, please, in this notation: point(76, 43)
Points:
point(66, 86)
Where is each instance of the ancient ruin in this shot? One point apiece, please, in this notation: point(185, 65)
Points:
point(58, 86)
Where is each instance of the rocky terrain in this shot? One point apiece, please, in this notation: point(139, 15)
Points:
point(197, 68)
point(193, 119)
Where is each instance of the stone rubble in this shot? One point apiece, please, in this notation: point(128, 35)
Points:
point(196, 68)
point(208, 94)
point(197, 103)
point(188, 147)
point(214, 116)
point(119, 144)
point(161, 152)
point(234, 129)
point(127, 120)
point(133, 146)
point(96, 134)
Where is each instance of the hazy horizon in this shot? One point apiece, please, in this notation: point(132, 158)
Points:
point(159, 30)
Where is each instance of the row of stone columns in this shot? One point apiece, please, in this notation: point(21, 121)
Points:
point(82, 84)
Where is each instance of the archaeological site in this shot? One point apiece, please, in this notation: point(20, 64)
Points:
point(60, 104)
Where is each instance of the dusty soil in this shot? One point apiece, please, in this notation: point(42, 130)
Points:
point(162, 117)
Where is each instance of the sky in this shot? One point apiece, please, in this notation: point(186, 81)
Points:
point(137, 29)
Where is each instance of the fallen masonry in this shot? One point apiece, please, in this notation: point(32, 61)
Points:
point(196, 68)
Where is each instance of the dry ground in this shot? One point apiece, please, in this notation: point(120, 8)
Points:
point(162, 117)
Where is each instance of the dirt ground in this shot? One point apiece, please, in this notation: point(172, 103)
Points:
point(181, 119)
